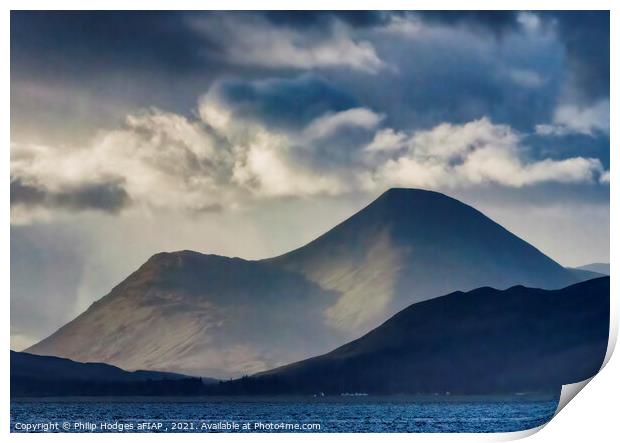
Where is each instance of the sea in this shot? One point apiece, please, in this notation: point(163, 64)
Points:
point(351, 413)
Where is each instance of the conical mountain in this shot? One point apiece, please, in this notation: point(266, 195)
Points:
point(216, 316)
point(410, 245)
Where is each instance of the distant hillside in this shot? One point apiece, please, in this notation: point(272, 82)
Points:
point(584, 274)
point(35, 375)
point(601, 268)
point(224, 317)
point(201, 315)
point(482, 341)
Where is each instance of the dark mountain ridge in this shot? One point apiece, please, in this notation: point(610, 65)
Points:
point(42, 376)
point(480, 342)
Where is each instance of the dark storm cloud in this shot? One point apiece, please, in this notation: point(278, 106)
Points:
point(473, 64)
point(323, 18)
point(163, 43)
point(284, 102)
point(498, 22)
point(84, 41)
point(448, 75)
point(89, 40)
point(138, 38)
point(108, 197)
point(584, 34)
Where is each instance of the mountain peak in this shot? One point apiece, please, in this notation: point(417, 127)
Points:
point(172, 255)
point(419, 202)
point(411, 193)
point(175, 259)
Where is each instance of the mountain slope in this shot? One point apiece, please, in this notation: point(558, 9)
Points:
point(209, 315)
point(47, 367)
point(36, 375)
point(410, 245)
point(200, 315)
point(483, 341)
point(601, 268)
point(584, 274)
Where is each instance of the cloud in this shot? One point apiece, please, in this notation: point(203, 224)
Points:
point(529, 21)
point(573, 119)
point(251, 40)
point(526, 78)
point(585, 35)
point(161, 161)
point(604, 178)
point(156, 160)
point(497, 22)
point(108, 196)
point(261, 165)
point(330, 123)
point(449, 66)
point(387, 140)
point(325, 18)
point(475, 153)
point(282, 102)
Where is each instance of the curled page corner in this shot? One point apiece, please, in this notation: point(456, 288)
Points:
point(613, 334)
point(569, 392)
point(518, 435)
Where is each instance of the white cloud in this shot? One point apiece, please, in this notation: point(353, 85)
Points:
point(529, 21)
point(409, 27)
point(163, 160)
point(604, 178)
point(573, 119)
point(330, 123)
point(526, 78)
point(387, 140)
point(256, 42)
point(475, 153)
point(167, 162)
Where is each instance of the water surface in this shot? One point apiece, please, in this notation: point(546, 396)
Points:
point(328, 414)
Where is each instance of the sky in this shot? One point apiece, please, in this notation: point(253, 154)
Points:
point(250, 133)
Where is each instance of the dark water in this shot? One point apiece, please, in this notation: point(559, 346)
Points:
point(339, 414)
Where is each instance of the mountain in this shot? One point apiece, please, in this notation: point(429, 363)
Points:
point(39, 366)
point(223, 317)
point(483, 341)
point(198, 314)
point(601, 268)
point(584, 274)
point(36, 375)
point(411, 245)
